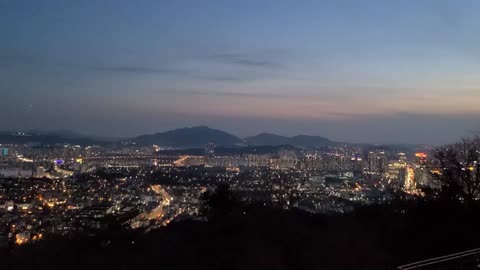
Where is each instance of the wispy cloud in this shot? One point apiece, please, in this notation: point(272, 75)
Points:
point(227, 78)
point(222, 93)
point(248, 60)
point(221, 76)
point(241, 66)
point(138, 70)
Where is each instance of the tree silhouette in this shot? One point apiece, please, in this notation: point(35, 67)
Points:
point(220, 202)
point(459, 169)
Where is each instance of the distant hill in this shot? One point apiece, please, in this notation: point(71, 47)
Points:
point(267, 139)
point(310, 141)
point(64, 133)
point(190, 137)
point(299, 140)
point(75, 135)
point(44, 139)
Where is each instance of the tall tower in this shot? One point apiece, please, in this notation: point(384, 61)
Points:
point(382, 162)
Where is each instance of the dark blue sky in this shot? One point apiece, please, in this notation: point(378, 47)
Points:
point(363, 71)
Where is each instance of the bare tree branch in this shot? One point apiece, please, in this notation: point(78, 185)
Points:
point(459, 166)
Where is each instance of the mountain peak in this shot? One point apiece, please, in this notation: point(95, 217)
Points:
point(197, 136)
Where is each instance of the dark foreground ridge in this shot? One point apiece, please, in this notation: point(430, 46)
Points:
point(261, 237)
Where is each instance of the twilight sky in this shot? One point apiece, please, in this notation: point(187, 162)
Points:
point(359, 71)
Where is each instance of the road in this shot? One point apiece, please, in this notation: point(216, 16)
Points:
point(158, 213)
point(181, 160)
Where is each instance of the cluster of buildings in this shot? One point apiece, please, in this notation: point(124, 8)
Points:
point(70, 189)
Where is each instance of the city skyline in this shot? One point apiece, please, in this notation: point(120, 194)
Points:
point(373, 72)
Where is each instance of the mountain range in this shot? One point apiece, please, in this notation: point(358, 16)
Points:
point(44, 139)
point(187, 137)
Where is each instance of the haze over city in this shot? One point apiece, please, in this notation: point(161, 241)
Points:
point(369, 71)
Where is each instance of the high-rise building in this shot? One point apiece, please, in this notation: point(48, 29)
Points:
point(396, 170)
point(382, 162)
point(377, 162)
point(372, 157)
point(357, 163)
